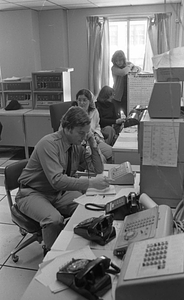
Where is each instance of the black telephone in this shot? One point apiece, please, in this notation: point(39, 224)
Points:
point(89, 278)
point(97, 229)
point(134, 116)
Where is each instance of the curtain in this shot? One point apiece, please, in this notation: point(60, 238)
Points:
point(159, 32)
point(147, 63)
point(158, 38)
point(98, 53)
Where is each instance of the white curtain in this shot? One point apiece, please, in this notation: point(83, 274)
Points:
point(159, 32)
point(147, 63)
point(158, 38)
point(98, 53)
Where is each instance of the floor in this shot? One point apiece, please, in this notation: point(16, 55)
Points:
point(14, 277)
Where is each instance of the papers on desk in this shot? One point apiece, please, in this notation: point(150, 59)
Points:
point(100, 199)
point(12, 79)
point(49, 269)
point(107, 191)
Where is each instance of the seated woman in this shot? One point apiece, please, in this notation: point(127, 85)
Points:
point(84, 99)
point(106, 109)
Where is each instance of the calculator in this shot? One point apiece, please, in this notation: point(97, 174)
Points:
point(122, 174)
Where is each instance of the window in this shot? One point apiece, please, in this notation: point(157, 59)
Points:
point(130, 36)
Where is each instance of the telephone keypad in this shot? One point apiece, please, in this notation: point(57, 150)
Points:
point(119, 172)
point(156, 254)
point(136, 227)
point(140, 223)
point(122, 174)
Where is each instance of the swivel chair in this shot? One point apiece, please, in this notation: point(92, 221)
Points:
point(57, 110)
point(26, 224)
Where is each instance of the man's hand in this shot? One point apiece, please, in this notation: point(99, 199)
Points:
point(90, 138)
point(99, 182)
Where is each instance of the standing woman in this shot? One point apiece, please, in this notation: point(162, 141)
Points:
point(120, 69)
point(84, 99)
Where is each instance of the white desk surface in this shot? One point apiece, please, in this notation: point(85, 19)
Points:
point(14, 113)
point(127, 140)
point(36, 290)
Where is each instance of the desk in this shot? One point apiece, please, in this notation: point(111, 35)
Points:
point(37, 125)
point(38, 291)
point(24, 127)
point(13, 133)
point(126, 147)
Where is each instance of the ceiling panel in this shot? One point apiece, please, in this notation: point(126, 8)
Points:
point(74, 4)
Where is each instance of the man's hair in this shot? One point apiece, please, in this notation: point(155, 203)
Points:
point(75, 117)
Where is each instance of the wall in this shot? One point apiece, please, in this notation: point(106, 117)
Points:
point(20, 49)
point(32, 41)
point(53, 39)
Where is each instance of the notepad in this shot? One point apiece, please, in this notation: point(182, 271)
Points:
point(107, 191)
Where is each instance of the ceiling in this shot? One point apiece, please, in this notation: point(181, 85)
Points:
point(73, 4)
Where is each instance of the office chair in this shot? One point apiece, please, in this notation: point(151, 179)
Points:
point(26, 224)
point(57, 110)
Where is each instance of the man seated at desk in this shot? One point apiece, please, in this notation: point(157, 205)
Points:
point(48, 184)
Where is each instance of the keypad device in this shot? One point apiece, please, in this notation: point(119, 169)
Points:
point(136, 227)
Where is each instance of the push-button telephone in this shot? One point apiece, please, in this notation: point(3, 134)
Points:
point(153, 269)
point(150, 223)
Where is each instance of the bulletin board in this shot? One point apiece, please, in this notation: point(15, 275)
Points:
point(139, 89)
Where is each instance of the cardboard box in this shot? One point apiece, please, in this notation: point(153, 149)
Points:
point(169, 74)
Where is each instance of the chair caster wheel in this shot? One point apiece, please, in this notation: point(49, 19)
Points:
point(22, 232)
point(15, 258)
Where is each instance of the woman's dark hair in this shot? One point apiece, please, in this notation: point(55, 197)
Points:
point(89, 95)
point(105, 93)
point(75, 117)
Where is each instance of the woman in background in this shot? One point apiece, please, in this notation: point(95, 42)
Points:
point(106, 109)
point(120, 69)
point(84, 99)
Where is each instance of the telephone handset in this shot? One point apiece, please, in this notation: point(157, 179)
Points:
point(97, 229)
point(122, 174)
point(89, 278)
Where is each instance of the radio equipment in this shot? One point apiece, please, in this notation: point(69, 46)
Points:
point(20, 90)
point(45, 99)
point(50, 87)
